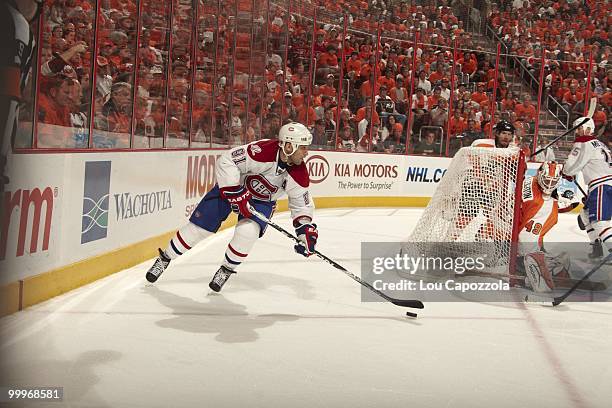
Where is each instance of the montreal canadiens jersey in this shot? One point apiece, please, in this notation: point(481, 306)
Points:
point(593, 159)
point(257, 166)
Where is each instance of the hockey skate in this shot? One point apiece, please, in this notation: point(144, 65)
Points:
point(597, 251)
point(160, 265)
point(221, 276)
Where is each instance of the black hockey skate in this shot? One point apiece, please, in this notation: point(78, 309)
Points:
point(597, 251)
point(160, 265)
point(221, 276)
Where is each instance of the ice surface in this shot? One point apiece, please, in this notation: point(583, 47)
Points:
point(292, 332)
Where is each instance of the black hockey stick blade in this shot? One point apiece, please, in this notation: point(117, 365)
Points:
point(415, 304)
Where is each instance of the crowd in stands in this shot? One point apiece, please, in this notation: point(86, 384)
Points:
point(567, 34)
point(236, 79)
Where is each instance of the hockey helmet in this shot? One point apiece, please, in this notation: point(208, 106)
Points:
point(296, 134)
point(549, 175)
point(588, 128)
point(504, 125)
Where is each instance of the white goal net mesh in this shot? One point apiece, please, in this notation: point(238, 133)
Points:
point(472, 208)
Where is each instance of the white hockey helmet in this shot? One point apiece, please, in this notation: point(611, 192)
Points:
point(296, 134)
point(549, 176)
point(588, 127)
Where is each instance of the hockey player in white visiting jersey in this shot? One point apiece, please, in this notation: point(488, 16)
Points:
point(592, 157)
point(251, 176)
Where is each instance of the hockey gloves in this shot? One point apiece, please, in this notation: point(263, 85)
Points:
point(307, 234)
point(238, 197)
point(568, 195)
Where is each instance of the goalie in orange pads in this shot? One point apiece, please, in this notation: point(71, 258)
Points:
point(539, 213)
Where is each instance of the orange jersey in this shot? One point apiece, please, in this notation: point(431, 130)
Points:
point(538, 215)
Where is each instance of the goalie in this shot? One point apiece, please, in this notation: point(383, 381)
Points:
point(539, 213)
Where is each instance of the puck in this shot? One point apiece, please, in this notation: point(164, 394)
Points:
point(410, 314)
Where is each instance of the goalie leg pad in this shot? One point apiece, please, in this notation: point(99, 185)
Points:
point(558, 265)
point(539, 277)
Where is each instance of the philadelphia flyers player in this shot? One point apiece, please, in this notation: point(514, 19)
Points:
point(539, 213)
point(250, 176)
point(16, 49)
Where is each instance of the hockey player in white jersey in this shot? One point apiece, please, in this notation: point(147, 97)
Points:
point(592, 157)
point(249, 177)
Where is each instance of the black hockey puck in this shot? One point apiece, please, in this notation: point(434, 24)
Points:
point(410, 314)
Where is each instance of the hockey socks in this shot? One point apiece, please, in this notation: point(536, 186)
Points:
point(184, 239)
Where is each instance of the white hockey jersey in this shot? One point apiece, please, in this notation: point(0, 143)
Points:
point(257, 166)
point(591, 157)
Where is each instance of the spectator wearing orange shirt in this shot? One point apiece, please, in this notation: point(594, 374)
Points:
point(327, 62)
point(526, 111)
point(468, 63)
point(457, 124)
point(329, 88)
point(438, 74)
point(366, 88)
point(353, 65)
point(364, 112)
point(55, 105)
point(480, 95)
point(387, 80)
point(572, 96)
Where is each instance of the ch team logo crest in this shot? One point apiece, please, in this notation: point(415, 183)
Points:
point(260, 187)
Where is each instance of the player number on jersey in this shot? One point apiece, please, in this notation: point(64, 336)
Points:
point(533, 227)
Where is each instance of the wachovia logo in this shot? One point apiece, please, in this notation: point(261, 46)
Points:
point(130, 205)
point(94, 221)
point(318, 168)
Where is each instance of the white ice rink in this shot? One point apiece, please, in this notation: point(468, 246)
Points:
point(292, 332)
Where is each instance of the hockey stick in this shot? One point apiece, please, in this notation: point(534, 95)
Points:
point(592, 286)
point(590, 114)
point(559, 299)
point(416, 304)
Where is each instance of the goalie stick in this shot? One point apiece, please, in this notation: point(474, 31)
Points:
point(570, 130)
point(416, 304)
point(592, 286)
point(559, 299)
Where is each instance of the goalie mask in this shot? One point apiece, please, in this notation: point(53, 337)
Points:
point(588, 128)
point(296, 134)
point(549, 175)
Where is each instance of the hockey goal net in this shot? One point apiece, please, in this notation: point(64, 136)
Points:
point(474, 210)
